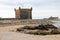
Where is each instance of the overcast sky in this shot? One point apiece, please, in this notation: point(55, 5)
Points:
point(41, 8)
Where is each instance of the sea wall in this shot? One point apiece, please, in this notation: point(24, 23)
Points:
point(26, 21)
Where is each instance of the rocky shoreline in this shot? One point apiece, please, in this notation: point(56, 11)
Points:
point(40, 29)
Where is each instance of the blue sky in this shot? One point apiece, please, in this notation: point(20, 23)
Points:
point(41, 8)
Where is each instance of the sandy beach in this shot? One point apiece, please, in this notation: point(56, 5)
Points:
point(6, 34)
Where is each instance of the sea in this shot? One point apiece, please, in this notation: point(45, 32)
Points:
point(56, 23)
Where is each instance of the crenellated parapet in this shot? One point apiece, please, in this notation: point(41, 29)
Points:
point(23, 13)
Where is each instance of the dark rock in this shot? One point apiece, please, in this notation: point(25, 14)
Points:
point(39, 30)
point(39, 27)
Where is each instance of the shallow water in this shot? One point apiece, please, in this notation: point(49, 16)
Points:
point(56, 23)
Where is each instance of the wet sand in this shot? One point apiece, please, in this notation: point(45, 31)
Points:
point(9, 35)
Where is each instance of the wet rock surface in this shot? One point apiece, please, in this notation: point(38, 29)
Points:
point(46, 29)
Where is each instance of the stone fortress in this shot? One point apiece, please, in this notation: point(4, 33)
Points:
point(25, 13)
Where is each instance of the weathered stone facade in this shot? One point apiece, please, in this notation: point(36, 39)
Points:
point(23, 13)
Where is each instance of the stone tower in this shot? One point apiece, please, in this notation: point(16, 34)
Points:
point(23, 13)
